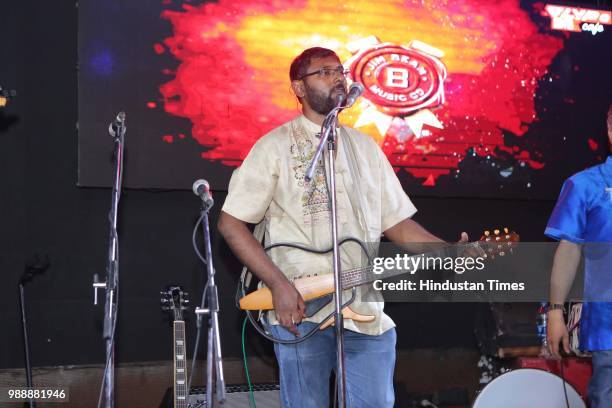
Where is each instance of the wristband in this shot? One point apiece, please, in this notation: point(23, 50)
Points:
point(555, 306)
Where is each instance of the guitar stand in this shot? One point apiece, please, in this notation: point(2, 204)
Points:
point(214, 364)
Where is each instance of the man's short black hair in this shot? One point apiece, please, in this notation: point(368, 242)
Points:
point(301, 63)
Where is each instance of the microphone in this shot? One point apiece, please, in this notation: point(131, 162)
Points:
point(201, 188)
point(340, 99)
point(355, 90)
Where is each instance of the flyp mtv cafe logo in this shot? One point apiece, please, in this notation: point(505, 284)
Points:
point(567, 18)
point(401, 84)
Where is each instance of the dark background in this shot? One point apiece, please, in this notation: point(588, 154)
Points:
point(120, 71)
point(43, 211)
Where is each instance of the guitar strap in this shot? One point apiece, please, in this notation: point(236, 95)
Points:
point(356, 195)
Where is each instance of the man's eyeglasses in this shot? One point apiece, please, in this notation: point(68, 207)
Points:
point(327, 72)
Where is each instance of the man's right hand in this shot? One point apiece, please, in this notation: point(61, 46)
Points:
point(288, 303)
point(556, 332)
point(288, 306)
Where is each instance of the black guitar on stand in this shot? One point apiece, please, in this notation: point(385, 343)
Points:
point(174, 300)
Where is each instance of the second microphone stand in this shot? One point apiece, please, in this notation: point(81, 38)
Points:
point(117, 130)
point(214, 364)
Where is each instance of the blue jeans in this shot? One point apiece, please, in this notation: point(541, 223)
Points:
point(600, 386)
point(305, 368)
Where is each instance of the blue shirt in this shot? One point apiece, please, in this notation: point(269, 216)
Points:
point(583, 215)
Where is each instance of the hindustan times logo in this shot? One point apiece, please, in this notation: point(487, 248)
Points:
point(410, 264)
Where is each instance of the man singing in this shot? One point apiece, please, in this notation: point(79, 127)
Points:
point(270, 187)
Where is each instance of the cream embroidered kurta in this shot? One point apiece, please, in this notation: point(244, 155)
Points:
point(269, 187)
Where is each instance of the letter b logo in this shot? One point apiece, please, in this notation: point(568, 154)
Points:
point(397, 77)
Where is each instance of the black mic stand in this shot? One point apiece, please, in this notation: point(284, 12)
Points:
point(329, 137)
point(214, 364)
point(117, 131)
point(30, 271)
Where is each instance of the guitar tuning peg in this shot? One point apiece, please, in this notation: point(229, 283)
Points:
point(506, 230)
point(496, 232)
point(487, 233)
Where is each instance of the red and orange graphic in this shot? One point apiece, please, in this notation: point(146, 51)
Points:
point(475, 79)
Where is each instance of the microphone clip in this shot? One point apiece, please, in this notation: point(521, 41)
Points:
point(201, 188)
point(117, 127)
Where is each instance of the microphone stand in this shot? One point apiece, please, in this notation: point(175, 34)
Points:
point(26, 340)
point(214, 364)
point(329, 137)
point(29, 273)
point(117, 131)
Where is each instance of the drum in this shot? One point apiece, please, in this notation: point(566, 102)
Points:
point(528, 388)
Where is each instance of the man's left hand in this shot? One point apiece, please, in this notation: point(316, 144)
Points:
point(469, 250)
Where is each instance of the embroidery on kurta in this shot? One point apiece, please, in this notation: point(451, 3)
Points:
point(315, 199)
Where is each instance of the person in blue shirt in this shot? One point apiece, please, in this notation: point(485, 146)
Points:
point(582, 222)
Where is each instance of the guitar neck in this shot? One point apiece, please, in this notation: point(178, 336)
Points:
point(180, 366)
point(361, 276)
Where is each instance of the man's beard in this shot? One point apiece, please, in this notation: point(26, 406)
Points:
point(320, 103)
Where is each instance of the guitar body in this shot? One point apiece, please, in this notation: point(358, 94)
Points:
point(317, 290)
point(310, 288)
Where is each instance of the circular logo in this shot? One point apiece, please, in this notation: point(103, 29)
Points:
point(399, 80)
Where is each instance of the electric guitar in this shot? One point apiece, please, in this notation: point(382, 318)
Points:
point(317, 288)
point(174, 300)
